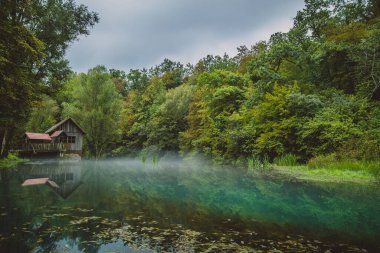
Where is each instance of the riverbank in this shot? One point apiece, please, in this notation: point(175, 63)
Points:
point(305, 173)
point(11, 161)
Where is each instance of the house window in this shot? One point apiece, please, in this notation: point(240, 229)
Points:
point(69, 176)
point(70, 139)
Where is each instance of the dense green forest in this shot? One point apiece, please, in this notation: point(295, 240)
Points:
point(309, 93)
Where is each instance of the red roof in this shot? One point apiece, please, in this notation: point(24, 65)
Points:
point(35, 181)
point(38, 136)
point(56, 133)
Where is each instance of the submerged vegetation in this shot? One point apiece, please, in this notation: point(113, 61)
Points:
point(310, 96)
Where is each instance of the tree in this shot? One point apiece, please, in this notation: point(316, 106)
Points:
point(20, 52)
point(34, 36)
point(139, 108)
point(43, 115)
point(170, 119)
point(119, 78)
point(137, 79)
point(278, 118)
point(96, 107)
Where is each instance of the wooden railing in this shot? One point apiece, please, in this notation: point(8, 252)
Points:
point(44, 147)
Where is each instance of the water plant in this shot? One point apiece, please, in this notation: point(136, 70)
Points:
point(143, 157)
point(257, 164)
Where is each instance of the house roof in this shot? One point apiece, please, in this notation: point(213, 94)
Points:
point(62, 122)
point(57, 133)
point(37, 136)
point(35, 181)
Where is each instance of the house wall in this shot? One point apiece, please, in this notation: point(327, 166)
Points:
point(72, 130)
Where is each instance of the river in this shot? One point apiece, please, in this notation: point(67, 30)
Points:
point(180, 206)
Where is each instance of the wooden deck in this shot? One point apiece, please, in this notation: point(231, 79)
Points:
point(43, 149)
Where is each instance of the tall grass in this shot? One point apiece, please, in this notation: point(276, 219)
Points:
point(256, 164)
point(286, 160)
point(330, 162)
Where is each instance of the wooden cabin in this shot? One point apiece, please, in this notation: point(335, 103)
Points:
point(69, 133)
point(64, 137)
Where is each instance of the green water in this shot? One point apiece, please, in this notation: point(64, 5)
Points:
point(172, 206)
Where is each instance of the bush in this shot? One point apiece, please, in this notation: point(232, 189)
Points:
point(321, 161)
point(11, 161)
point(367, 147)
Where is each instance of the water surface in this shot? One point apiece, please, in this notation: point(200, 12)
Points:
point(127, 206)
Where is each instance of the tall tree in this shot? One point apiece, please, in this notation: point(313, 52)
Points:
point(20, 52)
point(34, 36)
point(96, 107)
point(43, 114)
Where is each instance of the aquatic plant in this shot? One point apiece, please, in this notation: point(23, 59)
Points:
point(143, 157)
point(255, 164)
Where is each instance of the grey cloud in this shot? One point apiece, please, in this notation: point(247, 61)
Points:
point(141, 33)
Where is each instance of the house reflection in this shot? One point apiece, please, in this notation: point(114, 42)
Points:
point(65, 175)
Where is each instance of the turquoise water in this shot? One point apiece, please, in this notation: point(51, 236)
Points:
point(174, 206)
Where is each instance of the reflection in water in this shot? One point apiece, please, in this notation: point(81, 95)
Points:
point(126, 206)
point(65, 175)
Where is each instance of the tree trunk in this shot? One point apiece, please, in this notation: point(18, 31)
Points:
point(3, 152)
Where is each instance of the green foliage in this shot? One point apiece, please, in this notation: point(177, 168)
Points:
point(245, 106)
point(11, 161)
point(169, 120)
point(96, 107)
point(43, 115)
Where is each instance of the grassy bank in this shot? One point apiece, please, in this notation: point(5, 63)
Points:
point(11, 161)
point(326, 174)
point(331, 169)
point(323, 169)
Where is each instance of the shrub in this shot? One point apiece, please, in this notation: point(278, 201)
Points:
point(11, 161)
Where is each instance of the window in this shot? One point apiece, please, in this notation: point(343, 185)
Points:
point(69, 176)
point(70, 139)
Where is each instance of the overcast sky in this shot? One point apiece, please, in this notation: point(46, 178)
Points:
point(141, 33)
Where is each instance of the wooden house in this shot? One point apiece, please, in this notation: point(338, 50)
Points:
point(69, 133)
point(64, 137)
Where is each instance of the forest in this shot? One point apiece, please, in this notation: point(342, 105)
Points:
point(312, 93)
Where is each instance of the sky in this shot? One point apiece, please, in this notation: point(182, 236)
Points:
point(135, 34)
